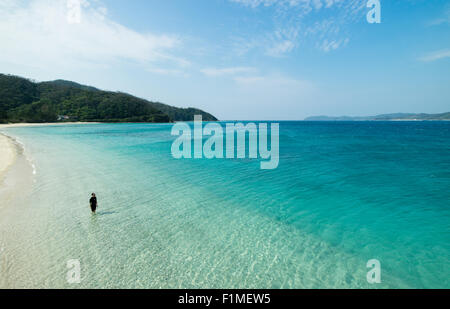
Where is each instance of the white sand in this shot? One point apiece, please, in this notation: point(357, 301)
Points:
point(18, 125)
point(8, 149)
point(7, 154)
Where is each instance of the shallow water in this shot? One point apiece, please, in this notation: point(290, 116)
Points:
point(344, 193)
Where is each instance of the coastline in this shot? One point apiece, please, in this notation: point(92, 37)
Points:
point(20, 125)
point(8, 154)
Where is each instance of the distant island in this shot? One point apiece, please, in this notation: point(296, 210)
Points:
point(386, 117)
point(22, 100)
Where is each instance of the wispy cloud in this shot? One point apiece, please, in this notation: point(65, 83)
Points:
point(281, 42)
point(255, 3)
point(227, 71)
point(280, 48)
point(444, 19)
point(331, 45)
point(436, 55)
point(40, 33)
point(300, 22)
point(307, 6)
point(277, 43)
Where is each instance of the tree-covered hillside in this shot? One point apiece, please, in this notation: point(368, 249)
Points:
point(22, 100)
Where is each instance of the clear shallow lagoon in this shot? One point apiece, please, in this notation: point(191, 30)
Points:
point(344, 193)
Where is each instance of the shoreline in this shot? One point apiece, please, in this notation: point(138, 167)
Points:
point(8, 154)
point(20, 125)
point(56, 124)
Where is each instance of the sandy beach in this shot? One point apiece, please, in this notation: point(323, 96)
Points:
point(19, 125)
point(8, 149)
point(7, 154)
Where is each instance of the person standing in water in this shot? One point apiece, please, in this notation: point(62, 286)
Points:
point(93, 202)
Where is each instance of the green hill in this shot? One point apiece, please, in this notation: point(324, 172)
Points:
point(22, 100)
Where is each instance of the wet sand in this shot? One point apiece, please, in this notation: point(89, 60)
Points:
point(7, 154)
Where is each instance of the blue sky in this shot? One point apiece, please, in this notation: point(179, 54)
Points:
point(240, 59)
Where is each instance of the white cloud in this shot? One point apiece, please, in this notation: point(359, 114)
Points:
point(276, 44)
point(307, 5)
point(280, 48)
point(293, 27)
point(329, 3)
point(41, 33)
point(437, 55)
point(281, 42)
point(227, 71)
point(444, 19)
point(331, 45)
point(255, 3)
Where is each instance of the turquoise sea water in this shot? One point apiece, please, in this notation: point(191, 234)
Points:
point(344, 193)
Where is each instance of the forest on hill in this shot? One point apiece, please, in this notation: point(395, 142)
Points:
point(22, 100)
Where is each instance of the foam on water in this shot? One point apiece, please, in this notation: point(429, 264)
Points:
point(343, 194)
